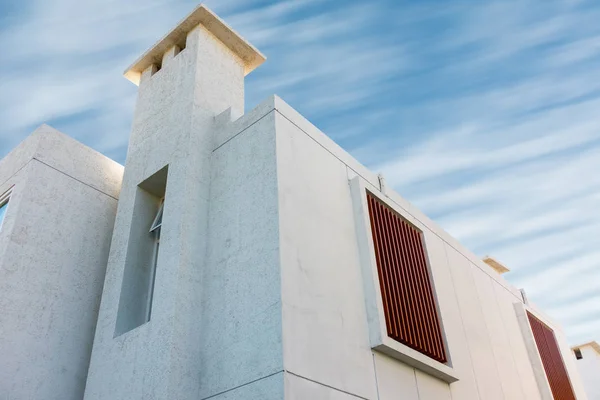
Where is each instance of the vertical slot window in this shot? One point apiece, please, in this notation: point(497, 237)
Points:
point(155, 233)
point(143, 249)
point(4, 205)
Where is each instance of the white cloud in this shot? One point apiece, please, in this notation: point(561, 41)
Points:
point(484, 115)
point(510, 167)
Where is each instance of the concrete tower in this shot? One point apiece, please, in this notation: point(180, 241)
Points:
point(150, 338)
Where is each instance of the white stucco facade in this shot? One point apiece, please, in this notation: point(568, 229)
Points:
point(54, 243)
point(262, 285)
point(589, 368)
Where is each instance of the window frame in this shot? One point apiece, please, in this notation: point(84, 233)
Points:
point(157, 222)
point(155, 231)
point(378, 335)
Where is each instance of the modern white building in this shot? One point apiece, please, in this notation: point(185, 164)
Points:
point(588, 364)
point(58, 201)
point(251, 258)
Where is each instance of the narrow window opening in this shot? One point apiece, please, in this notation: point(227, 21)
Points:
point(155, 233)
point(4, 205)
point(137, 297)
point(578, 354)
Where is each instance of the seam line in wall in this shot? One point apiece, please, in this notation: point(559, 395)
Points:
point(389, 198)
point(242, 385)
point(487, 328)
point(417, 384)
point(17, 171)
point(243, 130)
point(325, 385)
point(509, 341)
point(462, 324)
point(72, 177)
point(320, 144)
point(376, 380)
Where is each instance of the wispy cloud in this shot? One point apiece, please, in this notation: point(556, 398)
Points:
point(508, 166)
point(484, 115)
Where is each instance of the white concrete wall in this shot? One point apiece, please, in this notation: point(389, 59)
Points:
point(325, 328)
point(54, 246)
point(137, 364)
point(324, 321)
point(240, 314)
point(215, 328)
point(570, 363)
point(589, 370)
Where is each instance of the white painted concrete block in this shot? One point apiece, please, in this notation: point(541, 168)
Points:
point(476, 332)
point(503, 355)
point(450, 314)
point(53, 250)
point(589, 370)
point(395, 380)
point(323, 308)
point(431, 388)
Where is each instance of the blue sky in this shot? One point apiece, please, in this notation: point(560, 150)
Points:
point(486, 115)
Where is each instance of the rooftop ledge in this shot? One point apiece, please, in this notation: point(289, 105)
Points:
point(592, 344)
point(200, 16)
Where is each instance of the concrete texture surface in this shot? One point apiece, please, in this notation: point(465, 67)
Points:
point(53, 250)
point(216, 320)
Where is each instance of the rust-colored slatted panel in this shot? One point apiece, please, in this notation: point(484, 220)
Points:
point(411, 315)
point(552, 360)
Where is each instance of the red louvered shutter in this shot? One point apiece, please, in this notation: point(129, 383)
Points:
point(552, 360)
point(411, 314)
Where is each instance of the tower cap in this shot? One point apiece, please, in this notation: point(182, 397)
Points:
point(201, 15)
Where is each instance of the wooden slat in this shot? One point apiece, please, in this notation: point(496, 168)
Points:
point(407, 293)
point(551, 359)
